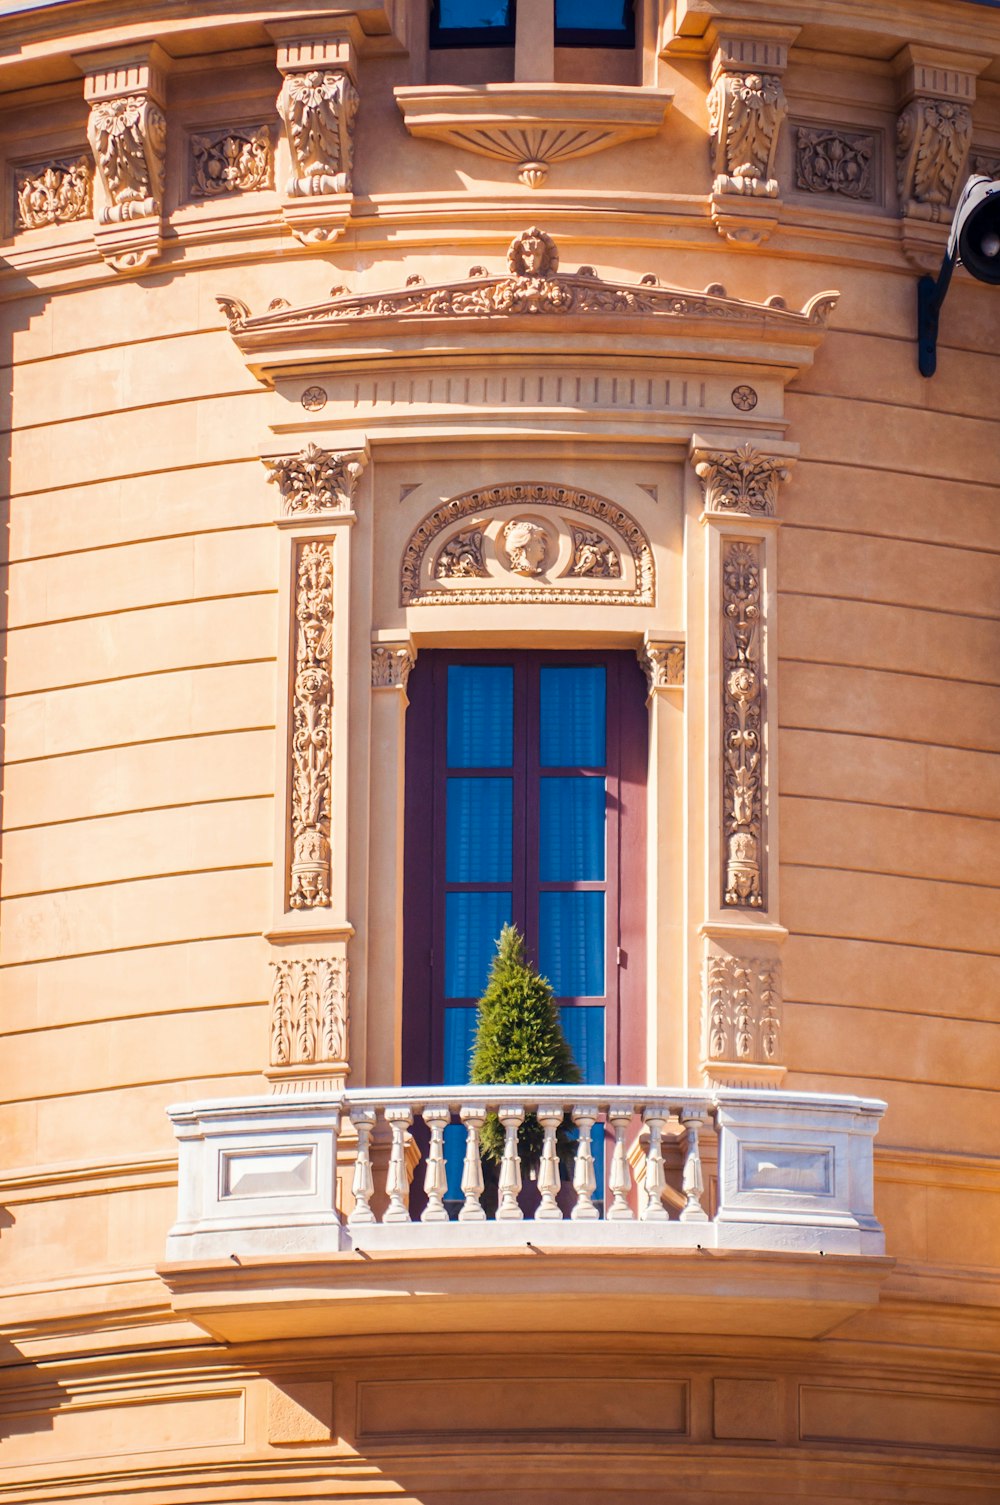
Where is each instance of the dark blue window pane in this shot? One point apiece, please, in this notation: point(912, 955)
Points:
point(571, 835)
point(473, 923)
point(571, 943)
point(594, 15)
point(459, 1037)
point(480, 716)
point(572, 705)
point(479, 830)
point(469, 14)
point(584, 1031)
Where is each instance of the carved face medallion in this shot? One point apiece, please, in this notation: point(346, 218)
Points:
point(526, 546)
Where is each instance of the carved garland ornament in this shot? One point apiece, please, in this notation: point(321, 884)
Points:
point(309, 1011)
point(742, 737)
point(525, 551)
point(933, 137)
point(52, 193)
point(746, 481)
point(742, 1014)
point(312, 704)
point(316, 480)
point(128, 137)
point(232, 161)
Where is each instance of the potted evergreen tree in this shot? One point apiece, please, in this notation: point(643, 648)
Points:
point(519, 1040)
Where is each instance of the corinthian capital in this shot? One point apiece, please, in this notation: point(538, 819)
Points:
point(316, 481)
point(744, 480)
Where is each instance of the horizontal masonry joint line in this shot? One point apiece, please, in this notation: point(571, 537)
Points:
point(119, 679)
point(183, 940)
point(138, 543)
point(790, 526)
point(800, 795)
point(874, 872)
point(77, 820)
point(833, 663)
point(102, 747)
point(76, 888)
point(124, 611)
point(889, 738)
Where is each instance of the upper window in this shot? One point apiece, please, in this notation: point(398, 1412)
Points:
point(525, 786)
point(595, 23)
point(472, 23)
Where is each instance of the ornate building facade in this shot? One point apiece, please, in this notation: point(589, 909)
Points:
point(465, 469)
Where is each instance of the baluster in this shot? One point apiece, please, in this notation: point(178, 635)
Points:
point(693, 1182)
point(584, 1177)
point(510, 1115)
point(435, 1175)
point(620, 1179)
point(655, 1181)
point(548, 1171)
point(472, 1167)
point(396, 1184)
point(362, 1186)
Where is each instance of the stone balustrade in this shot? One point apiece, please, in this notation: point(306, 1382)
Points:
point(380, 1169)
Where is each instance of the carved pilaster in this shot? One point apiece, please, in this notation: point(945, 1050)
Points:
point(662, 664)
point(741, 481)
point(318, 105)
point(746, 110)
point(316, 481)
point(308, 1021)
point(311, 728)
point(743, 751)
point(391, 665)
point(933, 142)
point(127, 131)
point(741, 1020)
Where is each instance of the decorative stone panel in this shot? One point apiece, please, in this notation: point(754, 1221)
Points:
point(311, 728)
point(234, 159)
point(833, 161)
point(308, 1019)
point(742, 722)
point(741, 1019)
point(52, 192)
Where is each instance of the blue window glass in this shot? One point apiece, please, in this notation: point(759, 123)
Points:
point(571, 943)
point(459, 1037)
point(480, 716)
point(472, 925)
point(571, 830)
point(572, 714)
point(480, 831)
point(467, 14)
point(583, 1027)
point(595, 23)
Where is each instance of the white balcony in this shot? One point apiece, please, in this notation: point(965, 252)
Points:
point(370, 1210)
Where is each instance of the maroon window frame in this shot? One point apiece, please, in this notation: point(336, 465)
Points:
point(424, 850)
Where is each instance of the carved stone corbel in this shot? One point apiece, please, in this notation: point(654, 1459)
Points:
point(663, 664)
point(746, 109)
point(933, 143)
point(127, 131)
point(741, 1019)
point(318, 105)
point(744, 480)
point(317, 481)
point(391, 665)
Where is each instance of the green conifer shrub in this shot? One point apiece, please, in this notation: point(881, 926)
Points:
point(519, 1040)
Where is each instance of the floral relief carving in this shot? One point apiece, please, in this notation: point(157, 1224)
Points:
point(230, 161)
point(316, 480)
point(744, 481)
point(742, 739)
point(128, 137)
point(312, 703)
point(391, 665)
point(318, 110)
point(745, 114)
point(544, 290)
point(742, 1009)
point(461, 558)
point(830, 160)
point(933, 137)
point(52, 193)
point(523, 547)
point(308, 1011)
point(663, 665)
point(594, 555)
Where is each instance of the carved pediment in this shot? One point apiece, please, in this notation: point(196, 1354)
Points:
point(530, 287)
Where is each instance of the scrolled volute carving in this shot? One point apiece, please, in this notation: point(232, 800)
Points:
point(316, 480)
point(743, 481)
point(318, 109)
point(308, 1024)
point(128, 137)
point(745, 115)
point(933, 138)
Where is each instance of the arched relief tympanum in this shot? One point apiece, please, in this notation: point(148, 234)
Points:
point(528, 543)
